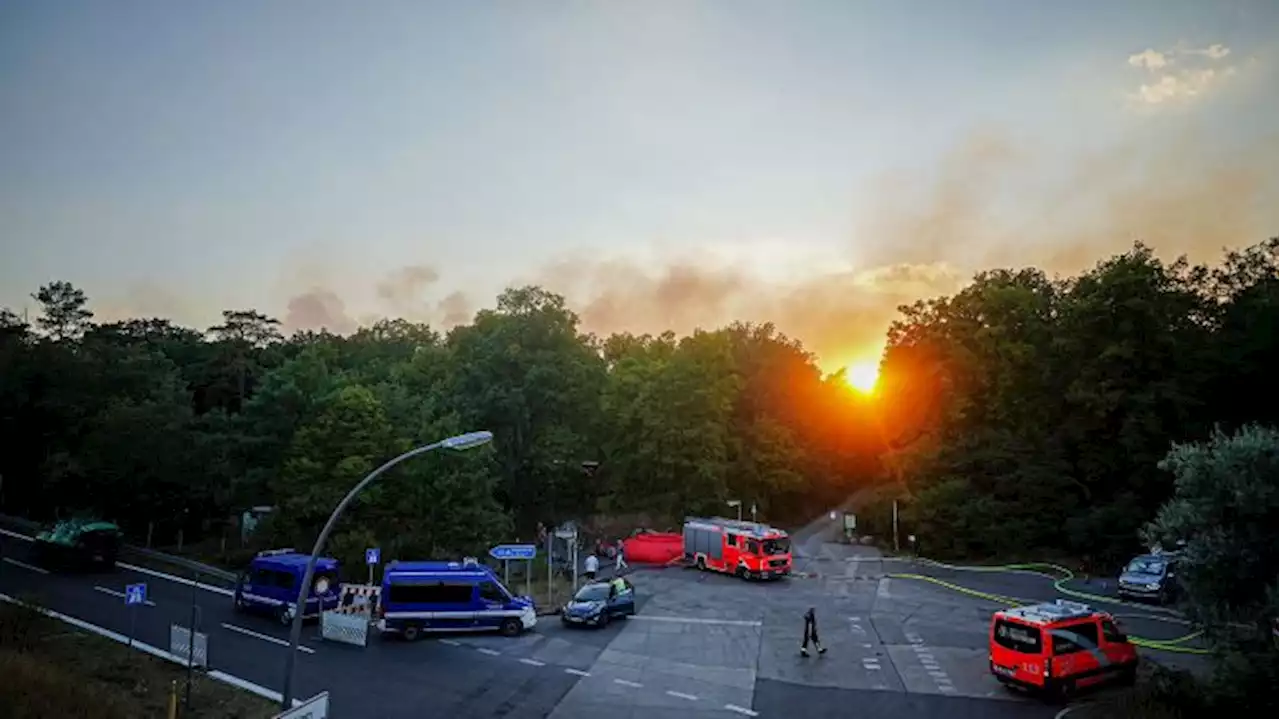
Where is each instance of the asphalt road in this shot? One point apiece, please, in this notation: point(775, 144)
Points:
point(703, 645)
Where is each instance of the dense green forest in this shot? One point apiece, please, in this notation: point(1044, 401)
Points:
point(1026, 411)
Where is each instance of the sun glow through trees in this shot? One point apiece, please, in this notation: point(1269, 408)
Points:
point(863, 376)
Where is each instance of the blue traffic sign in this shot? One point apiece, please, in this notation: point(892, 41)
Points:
point(371, 555)
point(514, 551)
point(135, 594)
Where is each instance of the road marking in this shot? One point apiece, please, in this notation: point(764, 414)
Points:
point(696, 620)
point(744, 710)
point(265, 637)
point(682, 695)
point(180, 580)
point(154, 651)
point(533, 662)
point(451, 642)
point(114, 593)
point(628, 683)
point(24, 565)
point(490, 652)
point(578, 672)
point(15, 535)
point(1065, 711)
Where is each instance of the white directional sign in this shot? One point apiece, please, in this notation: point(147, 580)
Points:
point(317, 707)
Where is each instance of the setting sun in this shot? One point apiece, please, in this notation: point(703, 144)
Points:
point(862, 376)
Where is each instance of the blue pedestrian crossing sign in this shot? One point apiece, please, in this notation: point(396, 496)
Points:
point(371, 555)
point(135, 594)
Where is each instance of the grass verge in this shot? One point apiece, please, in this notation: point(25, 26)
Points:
point(51, 669)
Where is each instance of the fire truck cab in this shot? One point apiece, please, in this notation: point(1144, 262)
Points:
point(750, 550)
point(1057, 647)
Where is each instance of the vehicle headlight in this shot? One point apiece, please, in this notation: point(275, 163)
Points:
point(1153, 586)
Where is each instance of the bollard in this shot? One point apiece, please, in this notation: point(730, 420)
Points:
point(173, 699)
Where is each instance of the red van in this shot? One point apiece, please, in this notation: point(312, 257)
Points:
point(1058, 647)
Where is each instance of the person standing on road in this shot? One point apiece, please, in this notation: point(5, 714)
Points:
point(592, 565)
point(811, 634)
point(619, 563)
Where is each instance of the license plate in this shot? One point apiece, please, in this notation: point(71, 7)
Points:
point(1003, 670)
point(574, 619)
point(767, 575)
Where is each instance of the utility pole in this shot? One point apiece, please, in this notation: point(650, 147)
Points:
point(895, 525)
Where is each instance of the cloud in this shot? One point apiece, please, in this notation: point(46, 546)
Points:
point(318, 309)
point(404, 288)
point(1172, 81)
point(403, 292)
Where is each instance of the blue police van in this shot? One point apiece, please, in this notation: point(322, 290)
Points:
point(270, 585)
point(419, 597)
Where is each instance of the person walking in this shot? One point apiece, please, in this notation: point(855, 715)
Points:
point(619, 562)
point(811, 634)
point(592, 565)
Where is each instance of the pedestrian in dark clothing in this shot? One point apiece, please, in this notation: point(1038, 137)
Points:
point(811, 634)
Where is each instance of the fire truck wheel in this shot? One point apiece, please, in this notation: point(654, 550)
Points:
point(741, 573)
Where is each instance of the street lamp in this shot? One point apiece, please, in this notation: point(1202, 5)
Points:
point(460, 442)
point(736, 503)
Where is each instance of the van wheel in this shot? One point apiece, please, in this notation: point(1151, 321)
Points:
point(701, 564)
point(410, 633)
point(239, 603)
point(284, 616)
point(510, 627)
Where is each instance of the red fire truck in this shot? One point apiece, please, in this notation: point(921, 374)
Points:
point(746, 549)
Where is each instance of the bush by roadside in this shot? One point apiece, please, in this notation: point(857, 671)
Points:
point(51, 669)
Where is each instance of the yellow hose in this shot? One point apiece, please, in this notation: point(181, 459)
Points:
point(1063, 575)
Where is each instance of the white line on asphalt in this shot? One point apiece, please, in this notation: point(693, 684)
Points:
point(697, 620)
point(532, 662)
point(24, 565)
point(451, 642)
point(180, 580)
point(682, 695)
point(154, 651)
point(265, 637)
point(15, 535)
point(628, 683)
point(743, 710)
point(1065, 711)
point(578, 672)
point(115, 593)
point(490, 652)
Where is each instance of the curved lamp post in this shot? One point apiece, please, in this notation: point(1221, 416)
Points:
point(460, 442)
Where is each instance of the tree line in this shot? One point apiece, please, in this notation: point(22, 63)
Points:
point(164, 428)
point(1026, 412)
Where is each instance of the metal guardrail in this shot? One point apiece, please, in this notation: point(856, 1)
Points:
point(130, 551)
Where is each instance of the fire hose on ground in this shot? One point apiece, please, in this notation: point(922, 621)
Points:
point(1060, 577)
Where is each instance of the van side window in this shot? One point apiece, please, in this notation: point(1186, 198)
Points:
point(1111, 632)
point(283, 580)
point(1075, 638)
point(261, 577)
point(489, 592)
point(429, 593)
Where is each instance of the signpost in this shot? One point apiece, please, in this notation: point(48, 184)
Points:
point(134, 595)
point(568, 532)
point(317, 707)
point(372, 557)
point(508, 552)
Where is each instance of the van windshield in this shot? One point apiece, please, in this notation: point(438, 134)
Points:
point(1017, 637)
point(1146, 565)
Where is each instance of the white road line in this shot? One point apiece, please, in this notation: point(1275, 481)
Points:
point(265, 637)
point(24, 565)
point(533, 662)
point(451, 642)
point(577, 672)
point(695, 620)
point(628, 683)
point(742, 710)
point(15, 535)
point(180, 580)
point(115, 593)
point(490, 652)
point(681, 695)
point(154, 651)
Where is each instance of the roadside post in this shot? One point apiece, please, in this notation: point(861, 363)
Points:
point(134, 595)
point(372, 557)
point(569, 532)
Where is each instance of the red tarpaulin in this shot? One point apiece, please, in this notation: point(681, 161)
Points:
point(653, 548)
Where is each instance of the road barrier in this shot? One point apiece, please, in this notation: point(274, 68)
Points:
point(1062, 576)
point(349, 622)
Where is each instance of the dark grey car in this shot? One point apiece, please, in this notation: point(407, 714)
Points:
point(1150, 576)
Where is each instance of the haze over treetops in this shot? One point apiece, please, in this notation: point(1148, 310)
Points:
point(664, 166)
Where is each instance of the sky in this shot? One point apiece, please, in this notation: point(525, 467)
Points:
point(663, 164)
